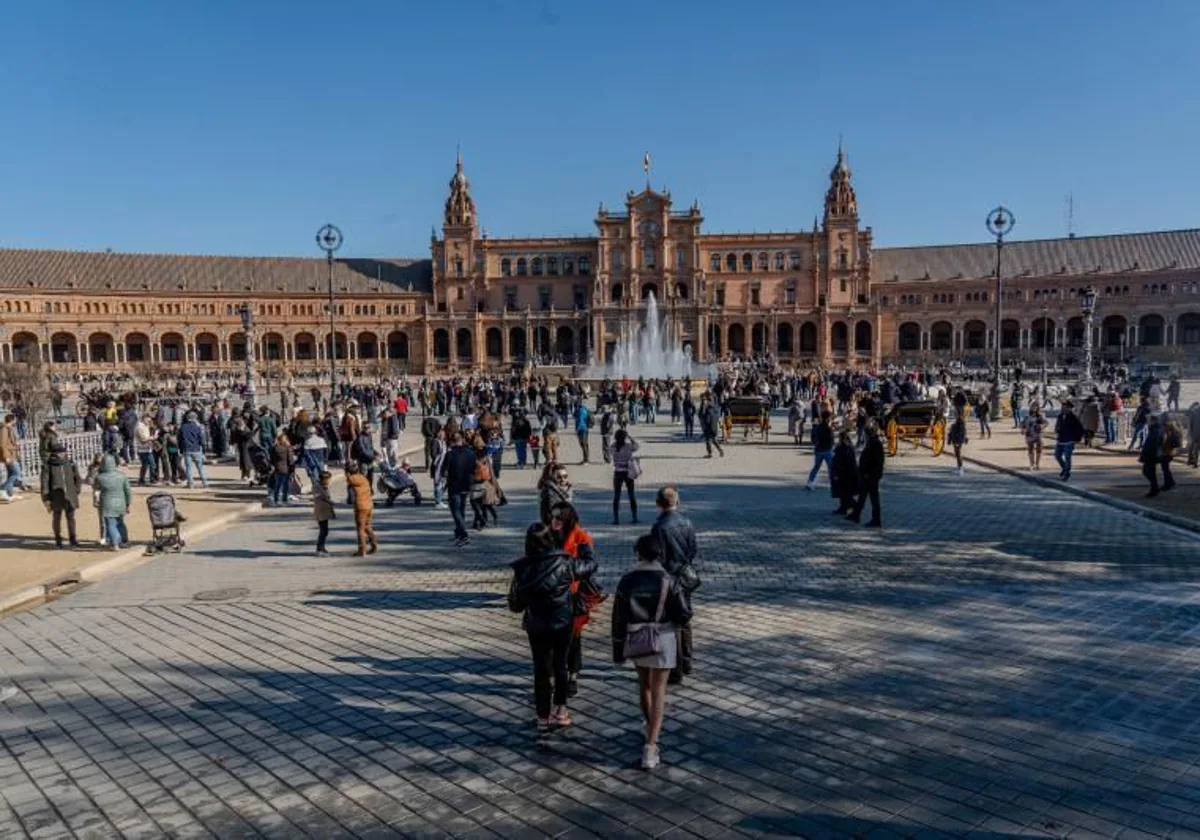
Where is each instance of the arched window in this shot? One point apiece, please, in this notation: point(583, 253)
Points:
point(521, 266)
point(552, 265)
point(458, 267)
point(681, 291)
point(747, 262)
point(618, 291)
point(779, 260)
point(537, 266)
point(714, 262)
point(764, 263)
point(731, 262)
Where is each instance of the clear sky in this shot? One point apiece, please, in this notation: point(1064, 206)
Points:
point(241, 127)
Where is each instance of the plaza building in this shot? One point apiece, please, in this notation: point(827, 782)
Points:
point(822, 296)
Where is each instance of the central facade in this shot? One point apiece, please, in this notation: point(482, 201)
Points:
point(804, 294)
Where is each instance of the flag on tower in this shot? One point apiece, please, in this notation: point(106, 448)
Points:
point(646, 164)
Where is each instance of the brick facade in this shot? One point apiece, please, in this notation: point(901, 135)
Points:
point(822, 296)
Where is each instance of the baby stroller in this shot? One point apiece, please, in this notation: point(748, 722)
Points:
point(164, 523)
point(394, 482)
point(260, 460)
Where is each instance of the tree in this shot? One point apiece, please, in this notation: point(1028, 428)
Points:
point(27, 384)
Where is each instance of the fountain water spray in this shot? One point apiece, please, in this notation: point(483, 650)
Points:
point(650, 352)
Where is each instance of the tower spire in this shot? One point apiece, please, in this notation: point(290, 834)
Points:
point(840, 199)
point(460, 207)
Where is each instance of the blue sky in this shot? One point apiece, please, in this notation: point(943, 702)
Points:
point(241, 127)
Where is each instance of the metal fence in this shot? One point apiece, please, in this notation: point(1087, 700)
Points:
point(82, 446)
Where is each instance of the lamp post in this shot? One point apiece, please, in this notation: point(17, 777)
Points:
point(248, 327)
point(999, 223)
point(1045, 327)
point(329, 239)
point(1124, 338)
point(1089, 308)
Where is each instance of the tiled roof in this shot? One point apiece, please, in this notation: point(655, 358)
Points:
point(29, 269)
point(1042, 257)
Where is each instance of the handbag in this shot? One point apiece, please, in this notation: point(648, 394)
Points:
point(635, 468)
point(689, 578)
point(645, 640)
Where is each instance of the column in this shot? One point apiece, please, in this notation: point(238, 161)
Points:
point(504, 351)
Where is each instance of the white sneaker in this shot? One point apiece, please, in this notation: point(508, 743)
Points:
point(650, 758)
point(7, 693)
point(4, 497)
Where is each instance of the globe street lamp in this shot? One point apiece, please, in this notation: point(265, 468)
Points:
point(329, 239)
point(999, 223)
point(248, 327)
point(1089, 308)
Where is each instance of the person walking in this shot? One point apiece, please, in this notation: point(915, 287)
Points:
point(541, 591)
point(710, 425)
point(1193, 420)
point(678, 552)
point(626, 470)
point(1032, 428)
point(983, 413)
point(689, 417)
point(282, 461)
point(1173, 390)
point(572, 539)
point(649, 605)
point(113, 497)
point(957, 438)
point(459, 471)
point(583, 429)
point(1068, 432)
point(607, 423)
point(60, 492)
point(430, 427)
point(314, 455)
point(10, 456)
point(437, 469)
point(143, 436)
point(822, 448)
point(323, 510)
point(389, 436)
point(1172, 441)
point(1151, 453)
point(364, 509)
point(191, 442)
point(843, 473)
point(870, 474)
point(520, 431)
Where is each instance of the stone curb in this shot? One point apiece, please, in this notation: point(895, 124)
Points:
point(1091, 495)
point(30, 595)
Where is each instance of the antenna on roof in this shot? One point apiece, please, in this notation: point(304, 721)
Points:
point(1070, 215)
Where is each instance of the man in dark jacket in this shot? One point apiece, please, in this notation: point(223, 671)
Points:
point(870, 473)
point(710, 425)
point(459, 471)
point(677, 538)
point(60, 491)
point(1068, 431)
point(429, 429)
point(191, 444)
point(1149, 455)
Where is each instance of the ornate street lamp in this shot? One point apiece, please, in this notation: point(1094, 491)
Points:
point(329, 239)
point(1045, 328)
point(1089, 308)
point(999, 224)
point(248, 327)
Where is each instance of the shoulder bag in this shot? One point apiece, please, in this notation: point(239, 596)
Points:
point(645, 640)
point(689, 578)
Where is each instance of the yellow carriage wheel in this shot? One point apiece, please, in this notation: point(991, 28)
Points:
point(937, 436)
point(893, 436)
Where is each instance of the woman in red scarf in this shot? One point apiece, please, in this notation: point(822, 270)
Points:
point(573, 540)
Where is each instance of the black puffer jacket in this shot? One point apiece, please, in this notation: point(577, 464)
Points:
point(541, 588)
point(636, 602)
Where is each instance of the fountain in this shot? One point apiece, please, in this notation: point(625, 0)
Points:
point(650, 352)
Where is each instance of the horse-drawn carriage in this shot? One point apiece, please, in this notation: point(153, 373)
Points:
point(748, 414)
point(914, 422)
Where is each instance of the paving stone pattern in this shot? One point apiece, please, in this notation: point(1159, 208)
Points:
point(1000, 660)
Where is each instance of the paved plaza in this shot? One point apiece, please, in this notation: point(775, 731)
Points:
point(1001, 660)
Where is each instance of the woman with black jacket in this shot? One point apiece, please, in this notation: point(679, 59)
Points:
point(541, 588)
point(844, 475)
point(648, 595)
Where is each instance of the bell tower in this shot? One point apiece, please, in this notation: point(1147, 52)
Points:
point(454, 254)
point(841, 240)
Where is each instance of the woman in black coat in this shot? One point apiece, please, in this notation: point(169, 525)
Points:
point(844, 476)
point(541, 589)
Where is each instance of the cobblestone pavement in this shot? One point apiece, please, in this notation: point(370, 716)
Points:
point(1000, 660)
